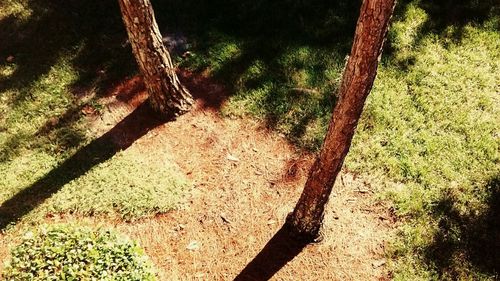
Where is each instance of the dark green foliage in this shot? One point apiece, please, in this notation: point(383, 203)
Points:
point(71, 253)
point(293, 20)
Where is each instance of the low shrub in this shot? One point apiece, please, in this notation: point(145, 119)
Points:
point(65, 252)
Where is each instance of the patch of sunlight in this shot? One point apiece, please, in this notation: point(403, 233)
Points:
point(16, 8)
point(7, 70)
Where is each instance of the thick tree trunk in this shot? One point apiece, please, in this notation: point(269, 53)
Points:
point(306, 219)
point(166, 94)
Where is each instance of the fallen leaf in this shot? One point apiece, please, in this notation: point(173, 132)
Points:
point(224, 218)
point(193, 245)
point(232, 158)
point(88, 110)
point(378, 263)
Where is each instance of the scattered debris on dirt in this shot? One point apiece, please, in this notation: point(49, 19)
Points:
point(246, 179)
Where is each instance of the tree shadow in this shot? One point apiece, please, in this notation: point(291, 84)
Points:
point(59, 134)
point(88, 36)
point(444, 20)
point(264, 31)
point(209, 93)
point(286, 20)
point(120, 137)
point(459, 13)
point(90, 31)
point(94, 32)
point(465, 240)
point(281, 249)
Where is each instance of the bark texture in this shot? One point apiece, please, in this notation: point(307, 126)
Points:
point(167, 96)
point(371, 29)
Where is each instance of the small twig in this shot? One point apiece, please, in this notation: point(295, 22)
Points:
point(304, 90)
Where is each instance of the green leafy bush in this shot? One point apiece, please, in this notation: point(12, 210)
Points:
point(69, 253)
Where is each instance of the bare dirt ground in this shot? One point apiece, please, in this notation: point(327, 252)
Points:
point(245, 180)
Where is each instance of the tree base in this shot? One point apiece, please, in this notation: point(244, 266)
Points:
point(167, 113)
point(314, 235)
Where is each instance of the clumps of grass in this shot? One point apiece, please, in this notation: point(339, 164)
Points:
point(223, 50)
point(26, 151)
point(405, 32)
point(65, 252)
point(27, 108)
point(42, 125)
point(290, 90)
point(429, 129)
point(127, 184)
point(431, 124)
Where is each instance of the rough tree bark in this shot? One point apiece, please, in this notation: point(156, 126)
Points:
point(167, 96)
point(306, 219)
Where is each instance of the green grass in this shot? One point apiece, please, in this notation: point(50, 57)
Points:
point(429, 133)
point(288, 87)
point(125, 184)
point(432, 124)
point(27, 108)
point(49, 161)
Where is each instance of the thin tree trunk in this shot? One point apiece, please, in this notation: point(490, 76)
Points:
point(167, 96)
point(306, 219)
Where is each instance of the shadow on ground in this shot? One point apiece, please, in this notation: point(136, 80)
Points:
point(94, 32)
point(88, 33)
point(121, 136)
point(467, 239)
point(283, 59)
point(90, 29)
point(280, 250)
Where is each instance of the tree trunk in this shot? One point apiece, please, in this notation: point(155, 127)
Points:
point(306, 219)
point(167, 96)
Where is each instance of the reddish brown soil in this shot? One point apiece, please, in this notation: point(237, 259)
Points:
point(245, 180)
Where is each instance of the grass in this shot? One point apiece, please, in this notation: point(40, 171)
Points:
point(431, 125)
point(48, 157)
point(122, 185)
point(429, 131)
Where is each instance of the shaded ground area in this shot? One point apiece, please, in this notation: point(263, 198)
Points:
point(475, 237)
point(120, 137)
point(38, 33)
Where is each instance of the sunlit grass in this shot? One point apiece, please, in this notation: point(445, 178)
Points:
point(126, 185)
point(429, 131)
point(26, 108)
point(35, 140)
point(434, 128)
point(18, 8)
